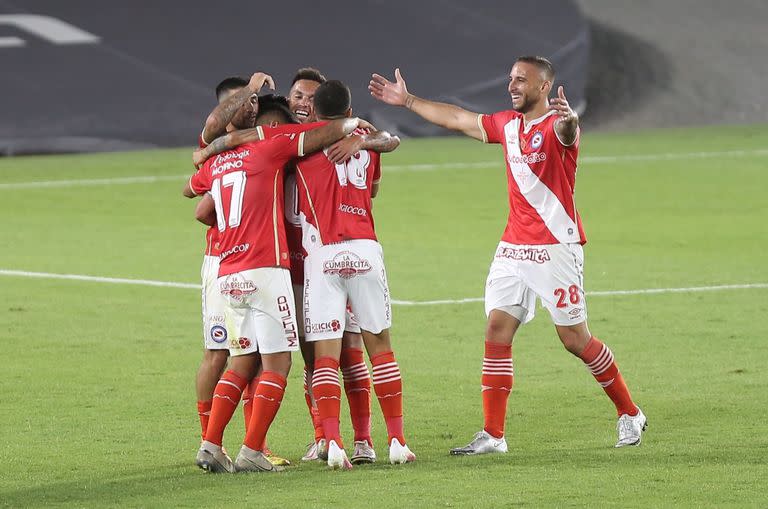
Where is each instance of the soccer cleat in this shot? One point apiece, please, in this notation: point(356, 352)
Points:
point(337, 458)
point(363, 453)
point(214, 459)
point(276, 460)
point(400, 453)
point(630, 428)
point(249, 460)
point(483, 443)
point(316, 451)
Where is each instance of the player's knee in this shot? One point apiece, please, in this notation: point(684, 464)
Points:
point(215, 359)
point(574, 339)
point(499, 329)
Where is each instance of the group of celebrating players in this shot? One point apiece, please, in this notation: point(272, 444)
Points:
point(293, 263)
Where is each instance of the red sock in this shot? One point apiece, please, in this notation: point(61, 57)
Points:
point(203, 412)
point(248, 400)
point(357, 386)
point(599, 360)
point(226, 397)
point(266, 402)
point(327, 392)
point(317, 423)
point(496, 383)
point(389, 390)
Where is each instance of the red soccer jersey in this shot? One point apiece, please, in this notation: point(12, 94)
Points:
point(212, 247)
point(541, 179)
point(247, 186)
point(293, 227)
point(334, 200)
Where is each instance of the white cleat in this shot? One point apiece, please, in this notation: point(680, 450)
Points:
point(249, 460)
point(317, 451)
point(363, 453)
point(214, 459)
point(483, 443)
point(337, 458)
point(630, 428)
point(400, 453)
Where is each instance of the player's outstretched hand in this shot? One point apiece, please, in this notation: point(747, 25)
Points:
point(198, 158)
point(345, 148)
point(258, 80)
point(560, 106)
point(386, 91)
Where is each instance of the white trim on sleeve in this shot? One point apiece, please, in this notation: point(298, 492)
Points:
point(482, 129)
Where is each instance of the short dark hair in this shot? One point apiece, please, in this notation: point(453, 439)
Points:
point(332, 99)
point(231, 83)
point(274, 103)
point(308, 73)
point(542, 63)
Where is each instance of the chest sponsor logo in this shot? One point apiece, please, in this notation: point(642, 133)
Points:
point(237, 287)
point(523, 254)
point(537, 140)
point(240, 248)
point(346, 265)
point(351, 209)
point(532, 158)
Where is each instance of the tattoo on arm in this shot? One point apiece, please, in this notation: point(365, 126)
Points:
point(221, 116)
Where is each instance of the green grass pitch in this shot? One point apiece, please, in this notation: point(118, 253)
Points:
point(97, 400)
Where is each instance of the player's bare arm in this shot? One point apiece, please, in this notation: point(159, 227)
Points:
point(205, 210)
point(443, 114)
point(378, 141)
point(226, 142)
point(567, 124)
point(321, 137)
point(221, 116)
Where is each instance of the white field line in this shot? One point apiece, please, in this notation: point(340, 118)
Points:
point(148, 179)
point(171, 284)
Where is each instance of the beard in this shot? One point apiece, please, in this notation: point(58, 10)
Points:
point(525, 105)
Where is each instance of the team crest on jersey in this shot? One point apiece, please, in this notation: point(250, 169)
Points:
point(346, 265)
point(218, 334)
point(537, 140)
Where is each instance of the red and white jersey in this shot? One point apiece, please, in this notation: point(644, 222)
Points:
point(247, 186)
point(293, 227)
point(212, 247)
point(541, 179)
point(335, 201)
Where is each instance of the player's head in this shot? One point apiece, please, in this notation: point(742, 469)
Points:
point(303, 87)
point(273, 110)
point(530, 81)
point(245, 117)
point(333, 100)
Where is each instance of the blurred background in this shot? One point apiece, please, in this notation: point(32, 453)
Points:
point(82, 76)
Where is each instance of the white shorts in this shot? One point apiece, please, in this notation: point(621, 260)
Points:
point(347, 272)
point(554, 273)
point(260, 312)
point(214, 325)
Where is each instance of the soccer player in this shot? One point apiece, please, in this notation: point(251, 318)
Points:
point(215, 352)
point(540, 253)
point(246, 184)
point(357, 380)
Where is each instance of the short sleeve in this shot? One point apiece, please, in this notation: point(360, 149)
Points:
point(200, 182)
point(286, 147)
point(201, 139)
point(491, 128)
point(376, 167)
point(572, 146)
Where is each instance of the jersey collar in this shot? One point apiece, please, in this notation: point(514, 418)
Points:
point(527, 125)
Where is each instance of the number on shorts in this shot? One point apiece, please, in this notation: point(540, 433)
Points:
point(573, 296)
point(235, 180)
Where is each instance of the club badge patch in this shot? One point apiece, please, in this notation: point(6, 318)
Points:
point(537, 140)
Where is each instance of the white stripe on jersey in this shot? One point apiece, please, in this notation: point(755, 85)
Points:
point(535, 192)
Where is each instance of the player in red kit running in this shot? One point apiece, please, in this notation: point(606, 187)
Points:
point(540, 253)
point(357, 380)
point(246, 184)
